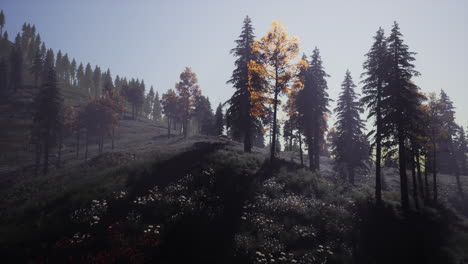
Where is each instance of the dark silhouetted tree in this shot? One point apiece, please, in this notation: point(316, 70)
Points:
point(247, 105)
point(399, 103)
point(219, 121)
point(375, 77)
point(350, 148)
point(156, 113)
point(47, 116)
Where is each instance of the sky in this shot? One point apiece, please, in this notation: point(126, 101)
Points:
point(156, 40)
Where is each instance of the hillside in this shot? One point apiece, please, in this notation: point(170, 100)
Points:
point(222, 206)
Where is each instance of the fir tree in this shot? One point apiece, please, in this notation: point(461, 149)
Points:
point(149, 101)
point(219, 121)
point(375, 76)
point(157, 109)
point(97, 75)
point(2, 22)
point(399, 103)
point(312, 106)
point(247, 104)
point(16, 65)
point(47, 116)
point(350, 147)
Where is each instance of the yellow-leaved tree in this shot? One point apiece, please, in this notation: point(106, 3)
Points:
point(277, 49)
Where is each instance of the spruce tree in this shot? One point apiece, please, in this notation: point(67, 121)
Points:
point(97, 75)
point(312, 106)
point(447, 140)
point(148, 105)
point(16, 65)
point(350, 145)
point(247, 104)
point(2, 22)
point(375, 76)
point(219, 121)
point(157, 109)
point(47, 116)
point(399, 102)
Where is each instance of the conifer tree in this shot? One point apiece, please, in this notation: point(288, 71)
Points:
point(16, 65)
point(375, 76)
point(461, 150)
point(169, 105)
point(107, 83)
point(88, 79)
point(219, 121)
point(36, 68)
point(277, 49)
point(47, 116)
point(447, 140)
point(3, 76)
point(399, 103)
point(157, 109)
point(203, 115)
point(149, 101)
point(97, 75)
point(2, 22)
point(73, 72)
point(312, 106)
point(246, 109)
point(80, 75)
point(350, 144)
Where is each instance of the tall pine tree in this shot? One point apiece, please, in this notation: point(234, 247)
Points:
point(399, 103)
point(350, 146)
point(247, 104)
point(375, 76)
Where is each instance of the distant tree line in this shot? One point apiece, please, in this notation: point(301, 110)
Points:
point(70, 99)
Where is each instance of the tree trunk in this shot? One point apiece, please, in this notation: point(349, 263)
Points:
point(275, 108)
point(378, 150)
point(113, 135)
point(247, 140)
point(413, 177)
point(300, 150)
point(351, 175)
point(311, 155)
point(168, 127)
point(434, 167)
point(59, 159)
point(316, 149)
point(420, 181)
point(426, 179)
point(290, 136)
point(402, 165)
point(455, 168)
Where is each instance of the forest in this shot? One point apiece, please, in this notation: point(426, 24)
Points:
point(97, 168)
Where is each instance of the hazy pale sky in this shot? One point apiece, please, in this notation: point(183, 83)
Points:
point(155, 40)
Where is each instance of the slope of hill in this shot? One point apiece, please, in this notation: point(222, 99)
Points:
point(205, 201)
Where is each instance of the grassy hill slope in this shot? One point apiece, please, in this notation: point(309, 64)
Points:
point(203, 200)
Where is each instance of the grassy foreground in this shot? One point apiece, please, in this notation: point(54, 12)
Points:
point(208, 202)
